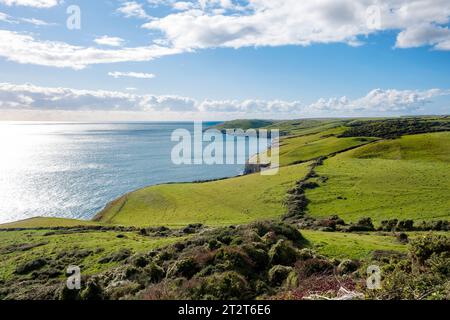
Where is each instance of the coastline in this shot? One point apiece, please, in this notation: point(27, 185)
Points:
point(249, 168)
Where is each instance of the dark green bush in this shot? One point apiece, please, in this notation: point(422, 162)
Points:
point(424, 247)
point(183, 268)
point(278, 274)
point(283, 253)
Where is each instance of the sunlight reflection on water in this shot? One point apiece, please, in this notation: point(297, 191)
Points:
point(73, 170)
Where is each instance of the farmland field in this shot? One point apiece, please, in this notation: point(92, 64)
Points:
point(407, 178)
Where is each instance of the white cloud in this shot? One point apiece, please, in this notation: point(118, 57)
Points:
point(31, 3)
point(24, 48)
point(424, 34)
point(217, 23)
point(182, 5)
point(9, 19)
point(139, 75)
point(236, 24)
point(6, 18)
point(31, 97)
point(109, 41)
point(133, 9)
point(376, 102)
point(37, 22)
point(250, 106)
point(380, 101)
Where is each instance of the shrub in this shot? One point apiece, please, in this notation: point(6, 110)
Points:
point(402, 237)
point(117, 256)
point(388, 225)
point(140, 261)
point(315, 266)
point(224, 286)
point(280, 229)
point(347, 266)
point(234, 258)
point(405, 225)
point(278, 274)
point(31, 266)
point(424, 247)
point(283, 253)
point(183, 268)
point(364, 224)
point(93, 291)
point(259, 257)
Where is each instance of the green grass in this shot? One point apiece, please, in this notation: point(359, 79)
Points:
point(101, 243)
point(306, 126)
point(407, 178)
point(231, 201)
point(351, 245)
point(244, 124)
point(309, 147)
point(43, 222)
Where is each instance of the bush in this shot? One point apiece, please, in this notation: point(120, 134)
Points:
point(117, 256)
point(278, 274)
point(183, 268)
point(424, 247)
point(259, 257)
point(405, 225)
point(93, 291)
point(388, 225)
point(31, 266)
point(280, 229)
point(283, 253)
point(315, 266)
point(234, 258)
point(224, 286)
point(347, 266)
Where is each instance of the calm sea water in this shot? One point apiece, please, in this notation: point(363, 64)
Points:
point(74, 170)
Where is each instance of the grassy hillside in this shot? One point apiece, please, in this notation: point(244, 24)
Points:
point(350, 245)
point(65, 248)
point(244, 124)
point(231, 201)
point(406, 178)
point(307, 147)
point(43, 222)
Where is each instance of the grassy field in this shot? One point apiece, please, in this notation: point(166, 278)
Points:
point(312, 146)
point(43, 222)
point(351, 245)
point(42, 243)
point(231, 201)
point(406, 178)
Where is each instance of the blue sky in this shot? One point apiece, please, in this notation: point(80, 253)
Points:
point(223, 59)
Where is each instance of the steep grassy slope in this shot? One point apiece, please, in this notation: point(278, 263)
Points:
point(407, 178)
point(230, 201)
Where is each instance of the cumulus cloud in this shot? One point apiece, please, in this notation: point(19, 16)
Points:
point(139, 75)
point(133, 9)
point(378, 101)
point(109, 41)
point(203, 24)
point(31, 3)
point(24, 48)
point(32, 97)
point(219, 23)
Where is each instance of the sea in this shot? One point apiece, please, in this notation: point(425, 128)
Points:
point(72, 170)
